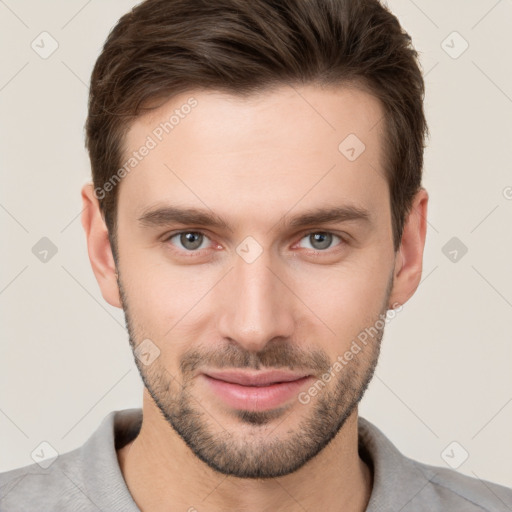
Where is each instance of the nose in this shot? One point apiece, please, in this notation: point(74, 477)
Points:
point(255, 304)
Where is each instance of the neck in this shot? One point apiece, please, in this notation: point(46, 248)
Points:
point(161, 471)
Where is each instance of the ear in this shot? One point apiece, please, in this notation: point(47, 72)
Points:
point(98, 246)
point(409, 257)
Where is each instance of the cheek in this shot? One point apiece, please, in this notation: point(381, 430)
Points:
point(167, 303)
point(344, 300)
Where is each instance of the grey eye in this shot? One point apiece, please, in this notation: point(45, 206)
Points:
point(320, 240)
point(190, 240)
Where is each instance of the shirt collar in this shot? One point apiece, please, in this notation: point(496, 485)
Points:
point(396, 479)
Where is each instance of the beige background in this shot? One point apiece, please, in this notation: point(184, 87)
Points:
point(445, 372)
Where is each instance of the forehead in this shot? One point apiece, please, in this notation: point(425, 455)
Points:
point(278, 148)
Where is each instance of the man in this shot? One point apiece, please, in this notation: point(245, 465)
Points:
point(257, 211)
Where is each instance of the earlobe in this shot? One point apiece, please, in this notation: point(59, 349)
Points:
point(98, 246)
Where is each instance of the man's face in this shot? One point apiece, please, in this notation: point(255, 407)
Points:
point(260, 292)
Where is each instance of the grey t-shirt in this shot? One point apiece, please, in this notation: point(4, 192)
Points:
point(89, 478)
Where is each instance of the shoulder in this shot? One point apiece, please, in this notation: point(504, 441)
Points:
point(34, 488)
point(85, 479)
point(447, 488)
point(401, 483)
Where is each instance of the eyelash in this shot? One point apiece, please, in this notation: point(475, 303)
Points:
point(193, 253)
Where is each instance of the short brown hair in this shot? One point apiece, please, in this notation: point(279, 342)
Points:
point(166, 47)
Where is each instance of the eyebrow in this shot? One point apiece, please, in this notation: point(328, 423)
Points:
point(167, 215)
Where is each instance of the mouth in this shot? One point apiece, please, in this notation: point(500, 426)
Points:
point(255, 391)
point(255, 379)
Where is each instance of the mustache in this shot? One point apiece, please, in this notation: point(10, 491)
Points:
point(275, 355)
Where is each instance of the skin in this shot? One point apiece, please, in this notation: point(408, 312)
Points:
point(256, 162)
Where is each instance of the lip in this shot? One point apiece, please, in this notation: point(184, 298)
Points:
point(255, 379)
point(260, 392)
